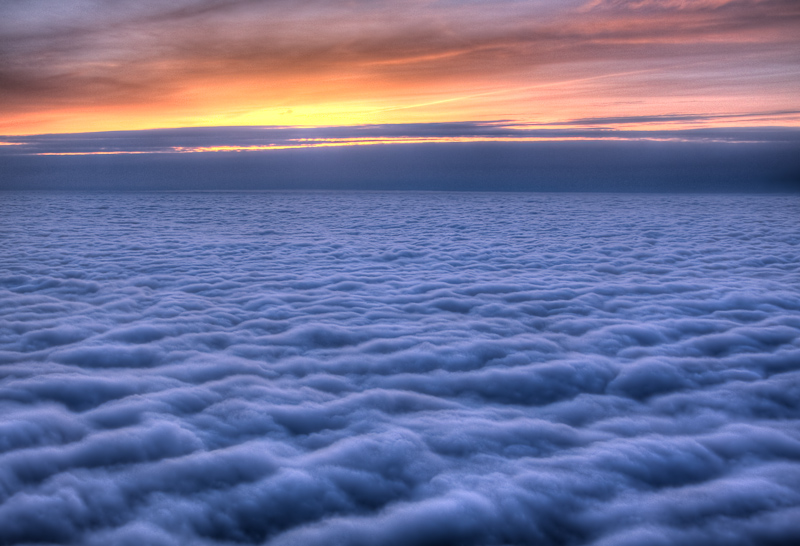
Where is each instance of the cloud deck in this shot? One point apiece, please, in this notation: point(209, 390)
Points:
point(379, 368)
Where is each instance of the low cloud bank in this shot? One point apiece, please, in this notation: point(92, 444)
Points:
point(334, 368)
point(465, 156)
point(575, 166)
point(189, 139)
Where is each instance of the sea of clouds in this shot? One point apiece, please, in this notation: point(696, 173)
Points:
point(399, 369)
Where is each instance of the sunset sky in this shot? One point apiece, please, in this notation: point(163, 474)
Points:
point(89, 65)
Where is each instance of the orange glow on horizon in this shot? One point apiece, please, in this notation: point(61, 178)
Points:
point(543, 105)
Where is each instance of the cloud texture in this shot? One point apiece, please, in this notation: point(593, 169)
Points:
point(377, 368)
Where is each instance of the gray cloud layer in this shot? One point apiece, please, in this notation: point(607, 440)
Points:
point(172, 140)
point(323, 368)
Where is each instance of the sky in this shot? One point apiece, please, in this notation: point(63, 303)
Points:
point(87, 65)
point(340, 73)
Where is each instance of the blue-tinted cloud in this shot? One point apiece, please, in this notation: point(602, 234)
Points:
point(384, 368)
